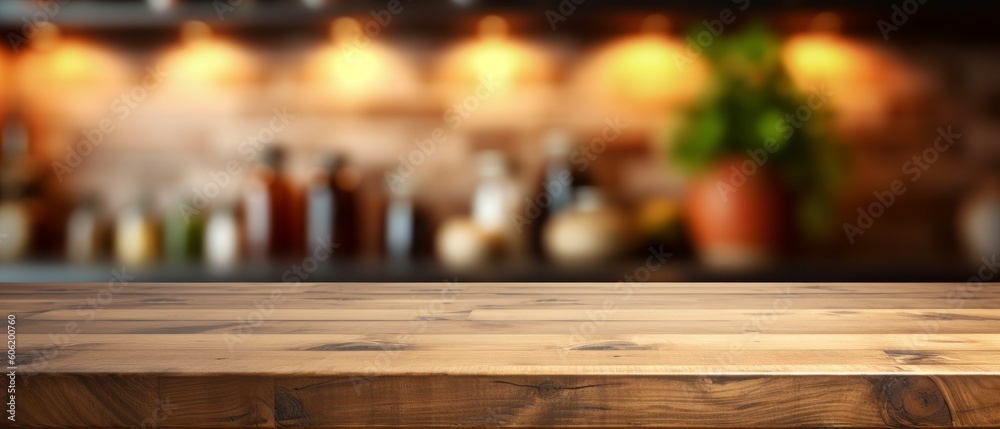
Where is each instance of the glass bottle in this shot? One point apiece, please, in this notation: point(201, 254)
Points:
point(222, 238)
point(85, 232)
point(555, 191)
point(21, 211)
point(16, 224)
point(268, 209)
point(497, 202)
point(137, 233)
point(183, 235)
point(332, 208)
point(405, 234)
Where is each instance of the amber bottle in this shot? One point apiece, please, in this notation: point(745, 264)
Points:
point(269, 210)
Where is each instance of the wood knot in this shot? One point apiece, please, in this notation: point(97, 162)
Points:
point(912, 401)
point(612, 345)
point(287, 407)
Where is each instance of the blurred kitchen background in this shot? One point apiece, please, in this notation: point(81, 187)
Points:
point(489, 140)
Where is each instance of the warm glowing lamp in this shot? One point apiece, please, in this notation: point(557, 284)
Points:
point(61, 76)
point(65, 62)
point(355, 69)
point(860, 77)
point(204, 74)
point(507, 81)
point(203, 59)
point(821, 55)
point(647, 70)
point(355, 62)
point(495, 57)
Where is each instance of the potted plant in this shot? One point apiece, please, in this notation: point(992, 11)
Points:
point(761, 154)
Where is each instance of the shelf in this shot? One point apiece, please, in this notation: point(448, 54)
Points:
point(676, 270)
point(946, 18)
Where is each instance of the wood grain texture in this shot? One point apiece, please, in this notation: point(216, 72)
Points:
point(519, 355)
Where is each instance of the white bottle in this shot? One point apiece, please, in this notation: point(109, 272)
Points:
point(222, 239)
point(497, 201)
point(15, 231)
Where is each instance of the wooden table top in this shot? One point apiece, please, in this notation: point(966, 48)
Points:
point(542, 354)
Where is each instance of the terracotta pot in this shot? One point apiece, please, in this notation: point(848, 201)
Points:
point(736, 214)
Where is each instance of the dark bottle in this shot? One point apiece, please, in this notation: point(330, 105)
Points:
point(332, 209)
point(23, 213)
point(406, 235)
point(269, 210)
point(556, 189)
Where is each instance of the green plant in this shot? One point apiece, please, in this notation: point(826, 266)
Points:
point(745, 108)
